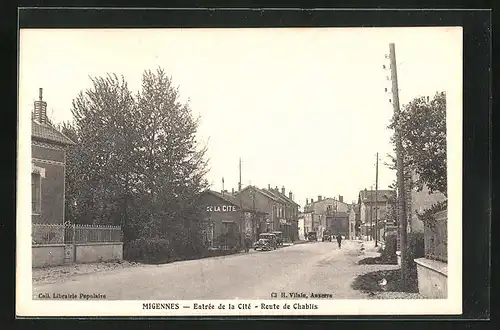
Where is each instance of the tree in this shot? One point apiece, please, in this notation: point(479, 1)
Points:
point(423, 135)
point(136, 163)
point(100, 164)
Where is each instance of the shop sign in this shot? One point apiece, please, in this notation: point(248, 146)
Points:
point(221, 208)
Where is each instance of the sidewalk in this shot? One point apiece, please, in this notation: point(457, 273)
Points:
point(359, 250)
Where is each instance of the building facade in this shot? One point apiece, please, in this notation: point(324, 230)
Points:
point(419, 202)
point(374, 208)
point(281, 212)
point(48, 160)
point(352, 221)
point(224, 216)
point(327, 214)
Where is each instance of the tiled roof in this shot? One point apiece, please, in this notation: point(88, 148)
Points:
point(48, 133)
point(283, 198)
point(380, 195)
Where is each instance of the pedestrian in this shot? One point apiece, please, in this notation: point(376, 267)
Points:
point(339, 240)
point(247, 244)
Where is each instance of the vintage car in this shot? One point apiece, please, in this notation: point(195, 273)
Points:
point(266, 242)
point(279, 238)
point(312, 236)
point(327, 236)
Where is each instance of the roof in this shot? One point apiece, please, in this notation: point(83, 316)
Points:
point(272, 194)
point(367, 196)
point(48, 133)
point(310, 207)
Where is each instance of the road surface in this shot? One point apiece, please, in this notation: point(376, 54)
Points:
point(310, 268)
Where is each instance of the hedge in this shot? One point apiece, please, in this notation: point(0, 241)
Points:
point(151, 251)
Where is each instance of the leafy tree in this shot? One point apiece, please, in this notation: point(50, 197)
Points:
point(174, 166)
point(137, 162)
point(100, 165)
point(423, 135)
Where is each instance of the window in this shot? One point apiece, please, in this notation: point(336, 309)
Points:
point(36, 194)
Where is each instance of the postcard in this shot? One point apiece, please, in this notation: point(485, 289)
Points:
point(239, 172)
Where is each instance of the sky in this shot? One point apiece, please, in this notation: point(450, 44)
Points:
point(303, 108)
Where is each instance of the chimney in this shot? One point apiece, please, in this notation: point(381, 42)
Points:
point(307, 201)
point(40, 109)
point(319, 198)
point(283, 190)
point(341, 199)
point(232, 191)
point(276, 189)
point(312, 200)
point(290, 195)
point(268, 186)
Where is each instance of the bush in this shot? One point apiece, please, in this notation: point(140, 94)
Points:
point(391, 245)
point(151, 251)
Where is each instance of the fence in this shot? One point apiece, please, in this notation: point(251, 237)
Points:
point(61, 234)
point(436, 238)
point(92, 234)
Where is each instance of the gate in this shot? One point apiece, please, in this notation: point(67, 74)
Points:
point(69, 243)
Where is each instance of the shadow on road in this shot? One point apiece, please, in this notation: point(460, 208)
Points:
point(371, 282)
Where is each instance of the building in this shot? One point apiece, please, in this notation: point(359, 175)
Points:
point(55, 242)
point(48, 159)
point(302, 228)
point(326, 214)
point(419, 202)
point(373, 209)
point(281, 212)
point(224, 216)
point(352, 221)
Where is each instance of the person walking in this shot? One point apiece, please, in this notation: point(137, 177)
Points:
point(247, 244)
point(339, 240)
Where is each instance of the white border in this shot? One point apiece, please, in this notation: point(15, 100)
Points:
point(26, 306)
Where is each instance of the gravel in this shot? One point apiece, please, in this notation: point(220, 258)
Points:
point(61, 273)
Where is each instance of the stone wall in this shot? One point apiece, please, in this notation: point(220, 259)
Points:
point(432, 278)
point(53, 254)
point(97, 252)
point(47, 255)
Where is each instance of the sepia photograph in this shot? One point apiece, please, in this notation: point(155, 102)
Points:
point(256, 171)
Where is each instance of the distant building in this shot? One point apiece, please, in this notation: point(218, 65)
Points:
point(281, 210)
point(224, 216)
point(373, 207)
point(48, 159)
point(327, 214)
point(352, 221)
point(302, 228)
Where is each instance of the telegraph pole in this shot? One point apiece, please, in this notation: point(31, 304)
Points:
point(403, 225)
point(371, 213)
point(376, 202)
point(242, 222)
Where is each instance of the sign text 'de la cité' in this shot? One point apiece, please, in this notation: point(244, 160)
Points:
point(221, 208)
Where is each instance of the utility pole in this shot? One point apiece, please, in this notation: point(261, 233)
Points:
point(376, 202)
point(399, 165)
point(242, 222)
point(371, 213)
